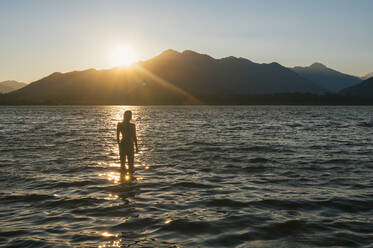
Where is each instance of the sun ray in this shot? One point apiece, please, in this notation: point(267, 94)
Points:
point(191, 99)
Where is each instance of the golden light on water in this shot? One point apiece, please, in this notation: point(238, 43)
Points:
point(114, 165)
point(114, 243)
point(127, 177)
point(116, 177)
point(111, 176)
point(107, 234)
point(112, 197)
point(122, 55)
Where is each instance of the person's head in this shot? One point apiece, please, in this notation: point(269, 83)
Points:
point(127, 116)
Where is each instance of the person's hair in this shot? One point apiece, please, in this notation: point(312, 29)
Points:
point(127, 116)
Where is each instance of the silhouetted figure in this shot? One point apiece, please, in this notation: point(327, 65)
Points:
point(126, 144)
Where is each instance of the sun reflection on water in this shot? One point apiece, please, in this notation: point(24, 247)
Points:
point(112, 197)
point(127, 177)
point(117, 177)
point(111, 176)
point(114, 243)
point(107, 234)
point(114, 165)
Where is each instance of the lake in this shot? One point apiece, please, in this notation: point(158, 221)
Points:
point(206, 176)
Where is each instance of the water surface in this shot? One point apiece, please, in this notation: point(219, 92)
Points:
point(207, 176)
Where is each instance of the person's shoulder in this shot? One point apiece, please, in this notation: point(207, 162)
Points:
point(119, 124)
point(132, 124)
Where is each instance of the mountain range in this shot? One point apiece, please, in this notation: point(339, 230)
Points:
point(175, 77)
point(326, 78)
point(200, 73)
point(10, 85)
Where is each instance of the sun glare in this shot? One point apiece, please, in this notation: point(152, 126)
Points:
point(122, 56)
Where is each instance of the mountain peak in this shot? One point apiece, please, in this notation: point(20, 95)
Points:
point(275, 64)
point(190, 52)
point(325, 77)
point(169, 52)
point(229, 58)
point(318, 66)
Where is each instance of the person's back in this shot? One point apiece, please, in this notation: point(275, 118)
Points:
point(129, 139)
point(128, 132)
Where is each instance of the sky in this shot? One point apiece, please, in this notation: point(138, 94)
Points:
point(41, 37)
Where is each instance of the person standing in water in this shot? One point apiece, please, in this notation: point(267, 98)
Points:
point(126, 144)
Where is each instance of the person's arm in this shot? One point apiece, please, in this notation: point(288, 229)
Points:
point(135, 138)
point(118, 133)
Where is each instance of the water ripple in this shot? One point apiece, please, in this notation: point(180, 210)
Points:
point(206, 176)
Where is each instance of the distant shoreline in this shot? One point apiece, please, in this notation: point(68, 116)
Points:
point(274, 99)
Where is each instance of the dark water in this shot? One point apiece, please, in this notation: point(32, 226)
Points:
point(250, 176)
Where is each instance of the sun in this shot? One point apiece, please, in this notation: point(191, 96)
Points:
point(122, 56)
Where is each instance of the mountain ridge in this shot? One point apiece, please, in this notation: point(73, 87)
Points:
point(10, 85)
point(327, 78)
point(227, 68)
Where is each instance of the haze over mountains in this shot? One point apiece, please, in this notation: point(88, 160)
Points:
point(178, 78)
point(327, 78)
point(369, 75)
point(10, 85)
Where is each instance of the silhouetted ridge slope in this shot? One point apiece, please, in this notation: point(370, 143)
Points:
point(364, 89)
point(201, 73)
point(326, 78)
point(115, 86)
